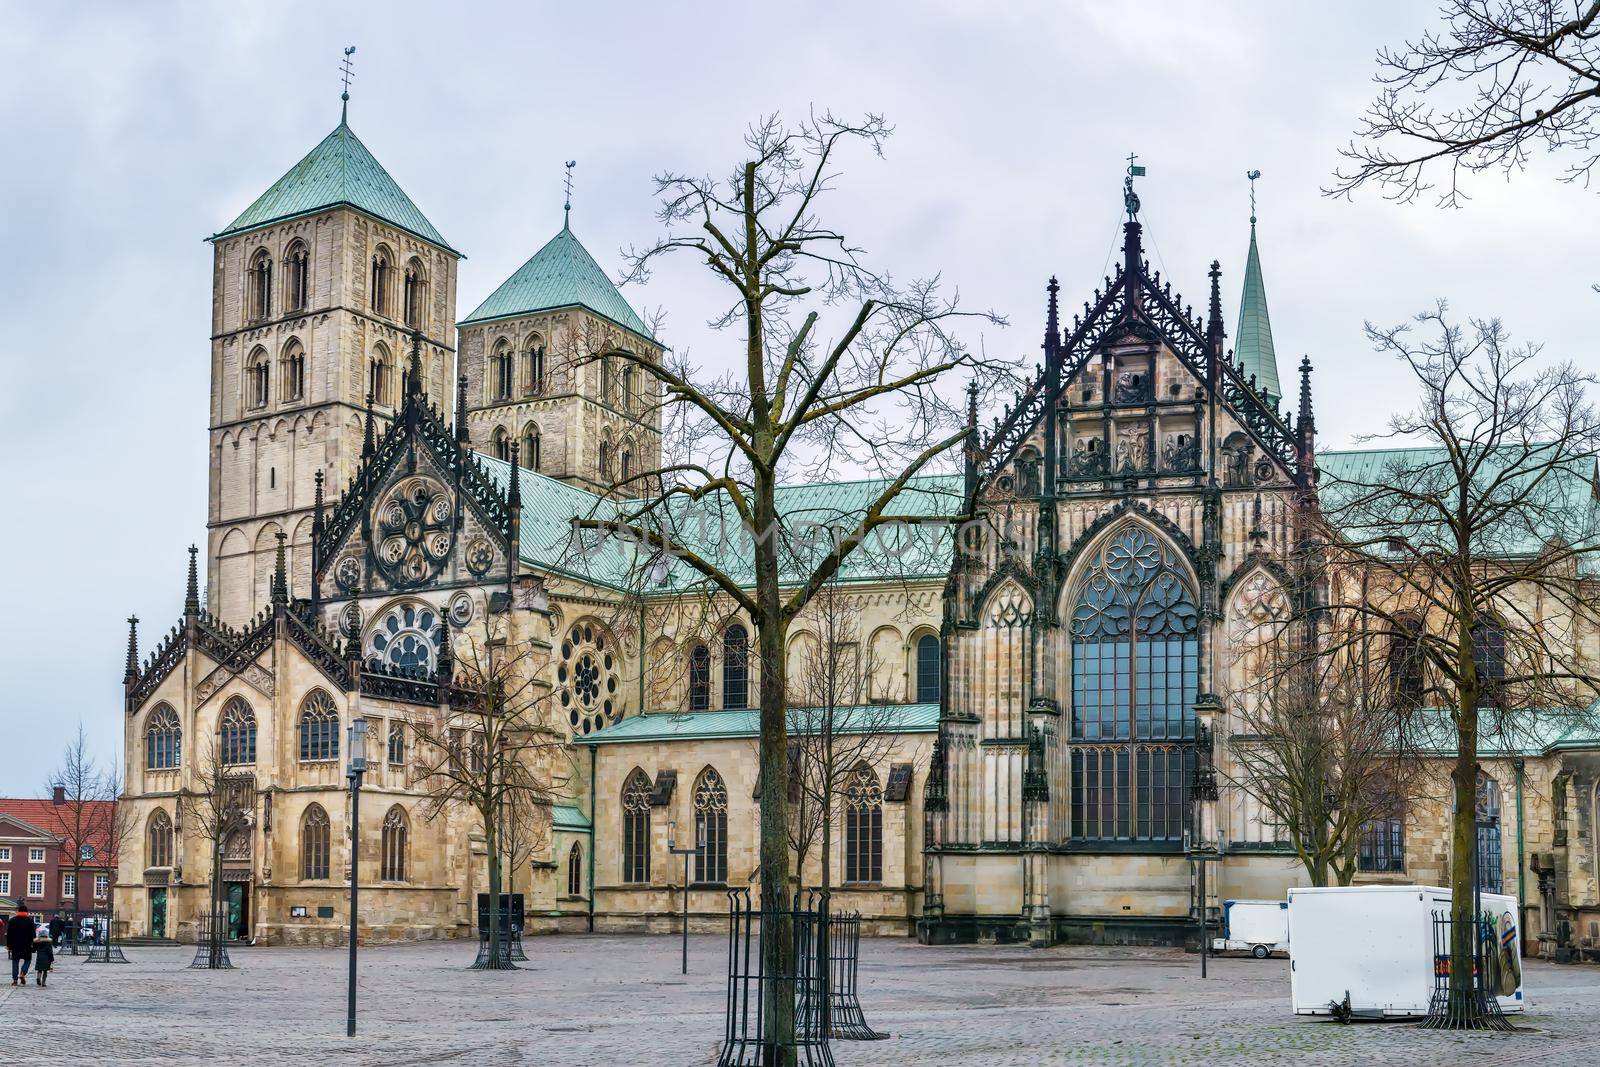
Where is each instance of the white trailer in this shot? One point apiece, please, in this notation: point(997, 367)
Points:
point(1259, 927)
point(1375, 945)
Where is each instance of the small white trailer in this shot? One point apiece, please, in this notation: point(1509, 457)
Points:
point(1368, 951)
point(1259, 927)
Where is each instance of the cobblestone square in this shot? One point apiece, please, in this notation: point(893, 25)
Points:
point(620, 1000)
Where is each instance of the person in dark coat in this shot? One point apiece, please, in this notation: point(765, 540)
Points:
point(20, 932)
point(44, 954)
point(57, 925)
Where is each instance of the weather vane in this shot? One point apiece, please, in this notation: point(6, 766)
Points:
point(1253, 175)
point(347, 71)
point(1130, 199)
point(566, 208)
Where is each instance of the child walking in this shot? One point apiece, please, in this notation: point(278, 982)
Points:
point(44, 954)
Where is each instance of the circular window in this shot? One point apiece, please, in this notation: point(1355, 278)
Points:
point(407, 636)
point(587, 678)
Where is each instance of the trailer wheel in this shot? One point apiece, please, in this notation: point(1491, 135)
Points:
point(1261, 952)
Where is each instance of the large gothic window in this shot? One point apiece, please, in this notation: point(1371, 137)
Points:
point(711, 823)
point(158, 838)
point(396, 845)
point(163, 740)
point(863, 827)
point(636, 828)
point(1135, 664)
point(319, 728)
point(238, 733)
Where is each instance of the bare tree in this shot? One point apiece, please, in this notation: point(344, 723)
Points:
point(876, 395)
point(1499, 79)
point(836, 727)
point(494, 750)
point(78, 819)
point(1319, 741)
point(118, 823)
point(1468, 552)
point(219, 805)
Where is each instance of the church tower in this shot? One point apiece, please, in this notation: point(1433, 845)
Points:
point(546, 363)
point(319, 290)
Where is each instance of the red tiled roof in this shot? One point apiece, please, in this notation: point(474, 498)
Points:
point(62, 820)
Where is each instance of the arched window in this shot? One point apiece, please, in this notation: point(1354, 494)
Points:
point(298, 262)
point(163, 740)
point(408, 636)
point(1135, 664)
point(315, 842)
point(319, 728)
point(529, 456)
point(626, 462)
point(711, 825)
point(605, 459)
point(534, 358)
point(294, 371)
point(928, 673)
point(396, 845)
point(1490, 867)
point(258, 379)
point(238, 733)
point(379, 376)
point(699, 678)
point(863, 827)
point(575, 870)
point(500, 444)
point(158, 838)
point(627, 388)
point(500, 368)
point(735, 668)
point(636, 828)
point(382, 268)
point(415, 293)
point(260, 285)
point(1405, 663)
point(1489, 656)
point(605, 378)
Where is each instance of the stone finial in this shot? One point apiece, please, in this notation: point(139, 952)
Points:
point(191, 592)
point(514, 495)
point(414, 368)
point(1214, 328)
point(131, 674)
point(1052, 321)
point(461, 409)
point(280, 574)
point(367, 445)
point(1307, 419)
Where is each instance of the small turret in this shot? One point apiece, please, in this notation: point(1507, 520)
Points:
point(280, 575)
point(461, 410)
point(367, 445)
point(191, 592)
point(1215, 332)
point(414, 384)
point(131, 673)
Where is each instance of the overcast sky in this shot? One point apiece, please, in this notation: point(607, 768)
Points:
point(135, 130)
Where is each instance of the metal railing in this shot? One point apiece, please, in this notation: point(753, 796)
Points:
point(757, 999)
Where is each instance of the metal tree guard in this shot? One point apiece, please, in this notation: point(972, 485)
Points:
point(110, 952)
point(1481, 1009)
point(843, 950)
point(211, 954)
point(752, 991)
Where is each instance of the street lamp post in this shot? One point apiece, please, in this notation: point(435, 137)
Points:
point(358, 767)
point(672, 847)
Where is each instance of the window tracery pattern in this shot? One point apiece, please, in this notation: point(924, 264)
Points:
point(315, 843)
point(163, 740)
point(1135, 667)
point(636, 828)
point(158, 851)
point(396, 845)
point(711, 820)
point(319, 728)
point(407, 636)
point(863, 827)
point(415, 529)
point(238, 733)
point(587, 677)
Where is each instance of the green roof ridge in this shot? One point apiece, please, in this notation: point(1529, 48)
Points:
point(339, 170)
point(1253, 335)
point(561, 274)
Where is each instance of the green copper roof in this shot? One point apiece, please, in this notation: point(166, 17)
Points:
point(726, 725)
point(561, 274)
point(338, 171)
point(1252, 343)
point(568, 817)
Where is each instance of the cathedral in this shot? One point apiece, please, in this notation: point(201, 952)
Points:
point(1053, 699)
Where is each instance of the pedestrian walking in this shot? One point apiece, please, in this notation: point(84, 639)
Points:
point(57, 925)
point(44, 954)
point(20, 932)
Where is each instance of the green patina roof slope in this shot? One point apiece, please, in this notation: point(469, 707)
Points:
point(746, 723)
point(338, 171)
point(1252, 344)
point(561, 274)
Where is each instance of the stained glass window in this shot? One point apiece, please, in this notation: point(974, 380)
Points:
point(163, 739)
point(319, 728)
point(1135, 670)
point(238, 733)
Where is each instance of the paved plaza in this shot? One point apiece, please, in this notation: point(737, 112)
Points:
point(621, 1000)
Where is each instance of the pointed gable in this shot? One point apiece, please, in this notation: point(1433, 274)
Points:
point(1253, 335)
point(338, 172)
point(562, 274)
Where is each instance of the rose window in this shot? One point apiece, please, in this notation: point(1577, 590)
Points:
point(407, 636)
point(587, 678)
point(415, 529)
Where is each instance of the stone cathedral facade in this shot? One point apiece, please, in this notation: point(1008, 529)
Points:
point(386, 478)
